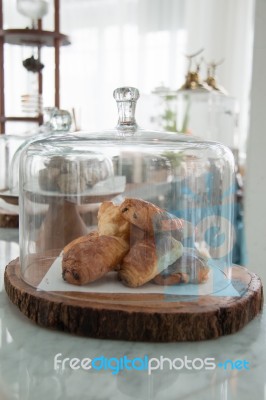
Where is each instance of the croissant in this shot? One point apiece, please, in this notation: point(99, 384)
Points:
point(80, 240)
point(88, 260)
point(153, 219)
point(189, 268)
point(111, 221)
point(136, 234)
point(173, 279)
point(140, 213)
point(146, 259)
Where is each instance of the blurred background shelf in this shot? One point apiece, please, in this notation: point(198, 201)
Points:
point(33, 37)
point(37, 38)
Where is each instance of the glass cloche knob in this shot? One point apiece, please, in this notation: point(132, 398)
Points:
point(126, 98)
point(61, 121)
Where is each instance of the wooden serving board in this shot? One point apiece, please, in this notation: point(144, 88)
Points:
point(145, 317)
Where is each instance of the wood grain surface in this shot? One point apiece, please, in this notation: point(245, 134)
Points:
point(145, 317)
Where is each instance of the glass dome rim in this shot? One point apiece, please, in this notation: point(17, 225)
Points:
point(141, 136)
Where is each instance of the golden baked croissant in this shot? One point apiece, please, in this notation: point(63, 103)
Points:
point(80, 240)
point(173, 279)
point(136, 234)
point(86, 261)
point(111, 221)
point(153, 219)
point(140, 213)
point(146, 259)
point(190, 268)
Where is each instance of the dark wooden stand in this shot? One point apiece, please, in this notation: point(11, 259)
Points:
point(153, 318)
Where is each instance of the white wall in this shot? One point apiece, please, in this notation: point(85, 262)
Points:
point(142, 43)
point(255, 204)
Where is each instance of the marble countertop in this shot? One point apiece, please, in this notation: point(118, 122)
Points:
point(27, 355)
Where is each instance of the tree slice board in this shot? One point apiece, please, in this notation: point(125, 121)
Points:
point(150, 317)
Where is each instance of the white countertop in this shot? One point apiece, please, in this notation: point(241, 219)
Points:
point(27, 360)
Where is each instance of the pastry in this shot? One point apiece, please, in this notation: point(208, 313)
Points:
point(146, 259)
point(137, 239)
point(172, 279)
point(141, 213)
point(111, 221)
point(86, 261)
point(153, 219)
point(136, 234)
point(190, 268)
point(48, 178)
point(80, 240)
point(74, 176)
point(71, 184)
point(180, 229)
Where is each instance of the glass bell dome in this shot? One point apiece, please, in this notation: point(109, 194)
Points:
point(206, 109)
point(55, 122)
point(8, 147)
point(126, 211)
